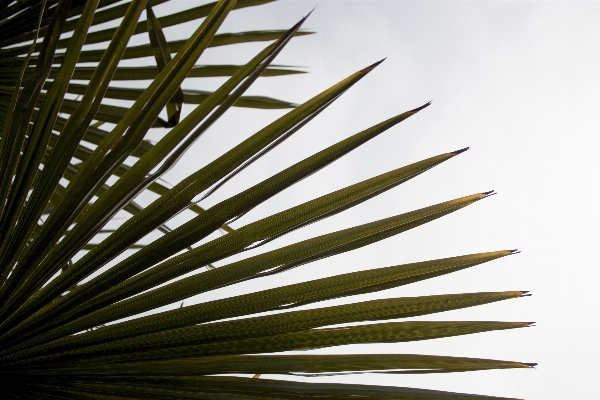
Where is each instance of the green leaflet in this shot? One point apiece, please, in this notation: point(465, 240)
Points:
point(205, 224)
point(22, 29)
point(223, 39)
point(117, 12)
point(143, 166)
point(190, 97)
point(15, 129)
point(264, 326)
point(145, 110)
point(67, 249)
point(91, 246)
point(217, 388)
point(9, 109)
point(122, 192)
point(264, 230)
point(286, 364)
point(254, 267)
point(14, 151)
point(198, 71)
point(150, 72)
point(113, 150)
point(180, 196)
point(162, 55)
point(108, 113)
point(67, 143)
point(390, 332)
point(273, 261)
point(273, 299)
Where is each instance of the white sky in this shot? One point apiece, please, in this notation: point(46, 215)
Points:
point(515, 81)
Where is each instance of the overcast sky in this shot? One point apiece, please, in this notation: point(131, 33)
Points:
point(518, 83)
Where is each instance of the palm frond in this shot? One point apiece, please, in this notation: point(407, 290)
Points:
point(80, 289)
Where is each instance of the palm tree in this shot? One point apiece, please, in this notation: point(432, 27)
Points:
point(66, 326)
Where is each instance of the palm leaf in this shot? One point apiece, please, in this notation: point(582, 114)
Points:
point(70, 323)
point(303, 365)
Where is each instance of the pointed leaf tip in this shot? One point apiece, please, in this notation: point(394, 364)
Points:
point(294, 28)
point(419, 108)
point(304, 18)
point(530, 323)
point(488, 194)
point(531, 365)
point(515, 251)
point(457, 152)
point(372, 66)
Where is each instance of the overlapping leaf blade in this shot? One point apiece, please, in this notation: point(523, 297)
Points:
point(119, 144)
point(122, 192)
point(264, 230)
point(272, 299)
point(264, 326)
point(62, 153)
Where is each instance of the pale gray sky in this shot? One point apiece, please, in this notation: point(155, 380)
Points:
point(515, 81)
